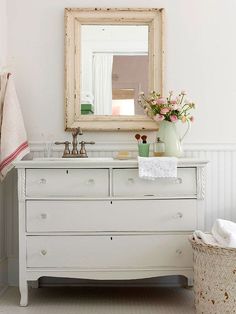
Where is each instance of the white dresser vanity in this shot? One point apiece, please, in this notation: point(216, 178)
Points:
point(94, 218)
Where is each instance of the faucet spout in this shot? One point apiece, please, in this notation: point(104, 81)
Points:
point(75, 133)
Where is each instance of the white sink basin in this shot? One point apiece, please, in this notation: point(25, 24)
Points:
point(89, 159)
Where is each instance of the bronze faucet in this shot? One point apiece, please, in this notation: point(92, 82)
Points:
point(75, 153)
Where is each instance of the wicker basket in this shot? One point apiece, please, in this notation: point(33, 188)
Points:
point(214, 279)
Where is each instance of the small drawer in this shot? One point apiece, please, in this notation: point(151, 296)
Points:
point(109, 251)
point(126, 182)
point(67, 182)
point(129, 215)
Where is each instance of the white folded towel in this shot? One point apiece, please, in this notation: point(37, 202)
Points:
point(223, 234)
point(151, 168)
point(14, 144)
point(206, 238)
point(224, 231)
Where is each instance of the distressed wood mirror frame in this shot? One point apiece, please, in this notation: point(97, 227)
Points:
point(74, 18)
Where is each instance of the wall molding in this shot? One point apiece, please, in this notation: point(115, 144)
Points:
point(38, 146)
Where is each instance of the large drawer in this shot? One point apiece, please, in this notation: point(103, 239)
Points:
point(67, 182)
point(109, 252)
point(126, 182)
point(130, 215)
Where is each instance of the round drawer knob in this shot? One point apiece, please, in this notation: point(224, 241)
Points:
point(44, 216)
point(179, 252)
point(42, 181)
point(179, 215)
point(178, 181)
point(91, 181)
point(131, 180)
point(43, 252)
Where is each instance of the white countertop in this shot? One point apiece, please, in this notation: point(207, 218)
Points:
point(96, 162)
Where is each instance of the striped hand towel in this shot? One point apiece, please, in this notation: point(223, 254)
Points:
point(14, 144)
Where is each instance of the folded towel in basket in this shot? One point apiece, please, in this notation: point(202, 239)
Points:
point(206, 238)
point(224, 231)
point(223, 234)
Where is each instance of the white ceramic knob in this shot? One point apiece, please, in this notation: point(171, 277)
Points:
point(131, 180)
point(43, 252)
point(178, 215)
point(179, 252)
point(178, 181)
point(44, 216)
point(91, 181)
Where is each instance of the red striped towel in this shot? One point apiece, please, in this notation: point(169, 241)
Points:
point(14, 144)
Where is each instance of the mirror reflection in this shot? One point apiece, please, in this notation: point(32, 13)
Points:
point(114, 69)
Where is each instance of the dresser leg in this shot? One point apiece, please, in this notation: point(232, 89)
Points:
point(23, 293)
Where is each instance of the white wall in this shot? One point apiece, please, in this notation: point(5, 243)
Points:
point(200, 58)
point(3, 63)
point(3, 33)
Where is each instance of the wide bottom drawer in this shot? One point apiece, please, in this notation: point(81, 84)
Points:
point(109, 251)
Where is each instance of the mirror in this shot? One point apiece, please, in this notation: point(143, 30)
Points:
point(114, 64)
point(111, 56)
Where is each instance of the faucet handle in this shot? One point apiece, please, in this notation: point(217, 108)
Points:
point(66, 152)
point(86, 142)
point(83, 153)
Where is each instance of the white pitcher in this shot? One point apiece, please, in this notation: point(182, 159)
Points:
point(173, 141)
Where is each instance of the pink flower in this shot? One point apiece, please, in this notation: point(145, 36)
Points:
point(173, 118)
point(174, 106)
point(191, 118)
point(165, 110)
point(172, 102)
point(160, 101)
point(158, 117)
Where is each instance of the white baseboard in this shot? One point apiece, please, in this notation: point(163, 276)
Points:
point(3, 275)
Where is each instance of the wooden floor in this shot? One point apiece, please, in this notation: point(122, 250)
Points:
point(98, 300)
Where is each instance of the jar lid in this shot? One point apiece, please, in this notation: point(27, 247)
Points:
point(159, 140)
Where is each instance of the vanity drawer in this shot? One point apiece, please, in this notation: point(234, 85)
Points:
point(129, 215)
point(126, 182)
point(109, 251)
point(67, 182)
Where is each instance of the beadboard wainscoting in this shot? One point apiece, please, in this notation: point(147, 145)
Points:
point(220, 186)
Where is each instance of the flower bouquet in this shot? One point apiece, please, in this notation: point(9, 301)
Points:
point(167, 111)
point(170, 108)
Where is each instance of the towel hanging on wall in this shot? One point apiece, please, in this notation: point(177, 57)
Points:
point(3, 84)
point(14, 144)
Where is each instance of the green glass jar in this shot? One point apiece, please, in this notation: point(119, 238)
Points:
point(143, 149)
